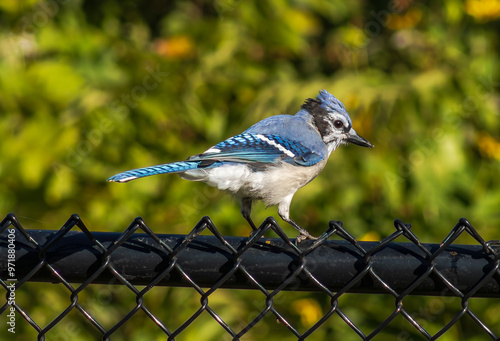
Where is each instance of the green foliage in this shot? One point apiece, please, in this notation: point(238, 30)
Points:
point(89, 89)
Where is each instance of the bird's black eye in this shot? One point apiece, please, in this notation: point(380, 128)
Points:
point(338, 124)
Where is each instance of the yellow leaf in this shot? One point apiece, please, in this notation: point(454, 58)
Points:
point(371, 236)
point(308, 309)
point(483, 10)
point(489, 146)
point(405, 21)
point(175, 47)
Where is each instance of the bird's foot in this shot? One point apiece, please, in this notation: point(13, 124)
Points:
point(304, 236)
point(253, 233)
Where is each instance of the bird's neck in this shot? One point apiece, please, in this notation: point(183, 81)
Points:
point(306, 116)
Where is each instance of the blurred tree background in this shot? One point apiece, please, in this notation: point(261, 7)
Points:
point(92, 88)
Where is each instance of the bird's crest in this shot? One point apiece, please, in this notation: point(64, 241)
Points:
point(319, 108)
point(325, 101)
point(330, 102)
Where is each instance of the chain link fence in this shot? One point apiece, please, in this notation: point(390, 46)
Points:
point(141, 260)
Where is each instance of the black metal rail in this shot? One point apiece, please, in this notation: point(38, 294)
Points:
point(138, 256)
point(140, 259)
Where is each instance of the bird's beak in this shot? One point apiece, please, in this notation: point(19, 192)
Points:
point(354, 138)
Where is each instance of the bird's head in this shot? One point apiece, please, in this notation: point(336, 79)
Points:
point(332, 121)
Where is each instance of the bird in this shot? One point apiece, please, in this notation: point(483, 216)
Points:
point(271, 160)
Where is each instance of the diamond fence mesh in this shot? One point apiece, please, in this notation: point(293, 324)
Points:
point(399, 267)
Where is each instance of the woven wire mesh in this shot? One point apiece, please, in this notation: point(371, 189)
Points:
point(240, 269)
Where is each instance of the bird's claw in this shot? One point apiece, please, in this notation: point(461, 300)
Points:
point(303, 236)
point(253, 233)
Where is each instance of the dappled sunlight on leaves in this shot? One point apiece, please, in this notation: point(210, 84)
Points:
point(90, 89)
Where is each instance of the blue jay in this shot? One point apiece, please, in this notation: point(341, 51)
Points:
point(271, 160)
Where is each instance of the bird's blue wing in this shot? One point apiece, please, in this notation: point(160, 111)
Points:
point(246, 148)
point(259, 148)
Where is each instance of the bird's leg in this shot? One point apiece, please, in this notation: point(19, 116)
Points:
point(246, 209)
point(284, 213)
point(304, 235)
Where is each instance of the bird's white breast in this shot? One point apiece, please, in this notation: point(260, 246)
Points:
point(271, 185)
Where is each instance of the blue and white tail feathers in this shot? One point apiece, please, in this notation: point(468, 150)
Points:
point(175, 167)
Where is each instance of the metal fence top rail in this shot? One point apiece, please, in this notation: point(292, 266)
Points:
point(139, 257)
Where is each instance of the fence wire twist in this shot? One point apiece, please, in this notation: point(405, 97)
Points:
point(237, 271)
